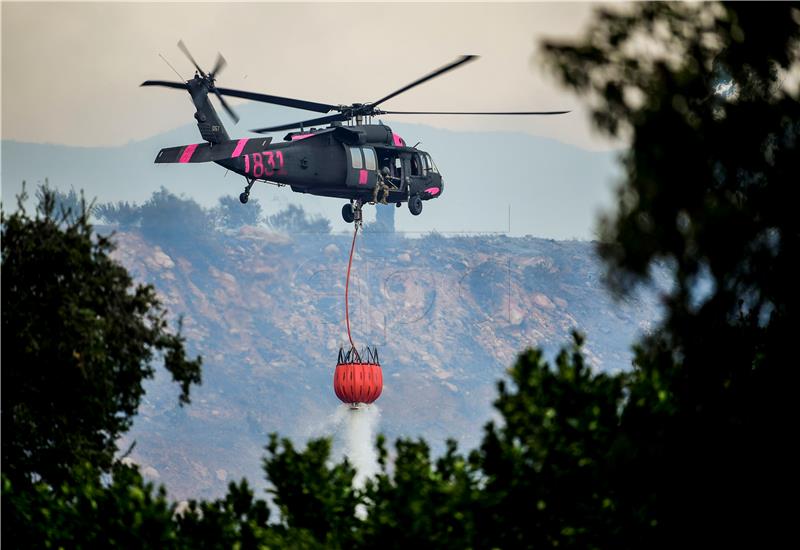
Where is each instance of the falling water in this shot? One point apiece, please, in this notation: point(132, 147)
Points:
point(358, 428)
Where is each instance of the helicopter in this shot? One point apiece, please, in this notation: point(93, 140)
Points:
point(350, 158)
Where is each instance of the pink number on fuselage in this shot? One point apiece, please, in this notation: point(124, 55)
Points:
point(274, 164)
point(258, 165)
point(269, 169)
point(279, 155)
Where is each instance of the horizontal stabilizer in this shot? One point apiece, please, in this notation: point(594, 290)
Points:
point(206, 152)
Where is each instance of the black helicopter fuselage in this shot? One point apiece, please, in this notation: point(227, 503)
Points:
point(341, 161)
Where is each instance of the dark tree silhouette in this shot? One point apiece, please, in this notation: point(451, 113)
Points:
point(232, 214)
point(294, 219)
point(121, 213)
point(78, 340)
point(706, 96)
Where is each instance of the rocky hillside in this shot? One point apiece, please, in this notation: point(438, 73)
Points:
point(265, 310)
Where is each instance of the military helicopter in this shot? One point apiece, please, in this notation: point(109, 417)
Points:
point(351, 158)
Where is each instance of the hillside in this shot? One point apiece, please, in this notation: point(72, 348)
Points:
point(265, 310)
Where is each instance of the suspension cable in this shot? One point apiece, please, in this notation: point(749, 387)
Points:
point(347, 289)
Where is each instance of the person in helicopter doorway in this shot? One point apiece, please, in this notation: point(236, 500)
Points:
point(383, 186)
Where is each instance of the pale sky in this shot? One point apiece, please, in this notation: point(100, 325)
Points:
point(71, 72)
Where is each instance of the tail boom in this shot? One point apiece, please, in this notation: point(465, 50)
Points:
point(206, 152)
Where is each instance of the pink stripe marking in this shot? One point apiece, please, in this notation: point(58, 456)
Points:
point(239, 147)
point(398, 141)
point(362, 177)
point(188, 152)
point(301, 136)
point(432, 190)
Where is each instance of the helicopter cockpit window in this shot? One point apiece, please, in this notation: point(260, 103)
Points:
point(429, 165)
point(369, 158)
point(355, 154)
point(415, 165)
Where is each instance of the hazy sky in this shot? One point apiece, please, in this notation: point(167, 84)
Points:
point(71, 72)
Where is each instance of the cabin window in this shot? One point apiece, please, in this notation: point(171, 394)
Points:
point(355, 154)
point(369, 158)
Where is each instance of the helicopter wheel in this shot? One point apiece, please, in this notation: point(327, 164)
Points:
point(415, 205)
point(244, 197)
point(348, 214)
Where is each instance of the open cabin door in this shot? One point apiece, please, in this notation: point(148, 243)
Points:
point(388, 158)
point(362, 167)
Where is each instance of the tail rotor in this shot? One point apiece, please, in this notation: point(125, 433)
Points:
point(211, 77)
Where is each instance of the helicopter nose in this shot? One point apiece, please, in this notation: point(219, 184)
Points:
point(434, 190)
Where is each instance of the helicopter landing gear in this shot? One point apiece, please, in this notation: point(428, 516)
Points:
point(348, 214)
point(415, 205)
point(245, 196)
point(351, 212)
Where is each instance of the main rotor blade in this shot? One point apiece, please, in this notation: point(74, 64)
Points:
point(227, 107)
point(278, 100)
point(185, 50)
point(220, 64)
point(166, 84)
point(472, 112)
point(449, 67)
point(303, 124)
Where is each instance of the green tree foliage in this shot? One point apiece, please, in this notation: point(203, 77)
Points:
point(78, 341)
point(165, 217)
point(122, 213)
point(293, 219)
point(238, 519)
point(550, 466)
point(232, 214)
point(706, 96)
point(316, 499)
point(68, 204)
point(174, 222)
point(172, 219)
point(85, 513)
point(420, 500)
point(125, 512)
